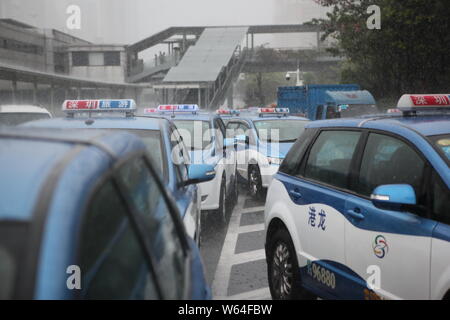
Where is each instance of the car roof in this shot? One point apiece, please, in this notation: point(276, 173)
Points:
point(10, 108)
point(426, 125)
point(139, 123)
point(30, 156)
point(200, 116)
point(255, 116)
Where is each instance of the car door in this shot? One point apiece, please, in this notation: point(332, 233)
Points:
point(187, 197)
point(389, 249)
point(440, 247)
point(243, 148)
point(226, 154)
point(318, 196)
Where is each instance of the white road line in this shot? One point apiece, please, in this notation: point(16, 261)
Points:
point(260, 294)
point(252, 228)
point(223, 270)
point(252, 209)
point(249, 256)
point(228, 258)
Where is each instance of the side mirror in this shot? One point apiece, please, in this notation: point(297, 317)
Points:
point(394, 196)
point(198, 173)
point(242, 139)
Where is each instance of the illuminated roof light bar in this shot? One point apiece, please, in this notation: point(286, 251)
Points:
point(423, 102)
point(79, 106)
point(193, 108)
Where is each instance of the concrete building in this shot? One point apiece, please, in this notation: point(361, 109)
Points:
point(107, 62)
point(37, 49)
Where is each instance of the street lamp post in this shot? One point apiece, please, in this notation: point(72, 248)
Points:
point(297, 74)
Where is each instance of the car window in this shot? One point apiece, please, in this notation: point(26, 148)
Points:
point(443, 144)
point(152, 140)
point(280, 130)
point(197, 135)
point(331, 156)
point(291, 164)
point(388, 160)
point(160, 229)
point(112, 262)
point(440, 200)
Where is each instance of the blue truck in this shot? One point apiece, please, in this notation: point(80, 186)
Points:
point(325, 101)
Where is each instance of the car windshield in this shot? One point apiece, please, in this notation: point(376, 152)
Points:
point(152, 140)
point(280, 130)
point(196, 135)
point(355, 110)
point(14, 119)
point(443, 144)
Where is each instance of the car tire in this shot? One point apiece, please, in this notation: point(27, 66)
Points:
point(221, 212)
point(255, 187)
point(282, 268)
point(235, 188)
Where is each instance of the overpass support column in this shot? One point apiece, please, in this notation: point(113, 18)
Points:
point(14, 91)
point(199, 97)
point(35, 89)
point(52, 102)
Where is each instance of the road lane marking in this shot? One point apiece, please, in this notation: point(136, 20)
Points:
point(260, 294)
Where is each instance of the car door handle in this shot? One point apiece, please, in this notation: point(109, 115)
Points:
point(356, 214)
point(295, 194)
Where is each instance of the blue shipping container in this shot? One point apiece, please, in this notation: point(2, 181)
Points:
point(306, 99)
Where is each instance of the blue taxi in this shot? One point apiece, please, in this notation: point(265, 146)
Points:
point(84, 215)
point(204, 136)
point(160, 136)
point(360, 208)
point(264, 137)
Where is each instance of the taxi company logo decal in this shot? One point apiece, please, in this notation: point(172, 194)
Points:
point(380, 247)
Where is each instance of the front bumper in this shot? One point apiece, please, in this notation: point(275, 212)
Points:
point(267, 173)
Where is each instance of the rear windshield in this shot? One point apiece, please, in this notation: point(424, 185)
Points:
point(14, 119)
point(443, 144)
point(282, 131)
point(353, 110)
point(196, 134)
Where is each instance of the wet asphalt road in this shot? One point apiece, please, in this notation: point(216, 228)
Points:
point(233, 252)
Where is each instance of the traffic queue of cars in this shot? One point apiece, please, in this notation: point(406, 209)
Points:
point(356, 208)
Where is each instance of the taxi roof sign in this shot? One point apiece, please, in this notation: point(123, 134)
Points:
point(179, 108)
point(413, 102)
point(274, 110)
point(105, 105)
point(228, 112)
point(150, 110)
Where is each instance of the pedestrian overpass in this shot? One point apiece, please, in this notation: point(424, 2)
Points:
point(204, 62)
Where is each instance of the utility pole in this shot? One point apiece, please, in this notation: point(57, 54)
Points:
point(298, 75)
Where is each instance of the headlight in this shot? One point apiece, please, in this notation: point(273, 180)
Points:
point(275, 161)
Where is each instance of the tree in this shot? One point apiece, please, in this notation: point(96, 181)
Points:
point(409, 54)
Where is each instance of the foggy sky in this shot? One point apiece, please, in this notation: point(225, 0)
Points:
point(127, 21)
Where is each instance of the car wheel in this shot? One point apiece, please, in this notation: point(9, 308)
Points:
point(282, 269)
point(254, 182)
point(199, 228)
point(235, 188)
point(221, 212)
